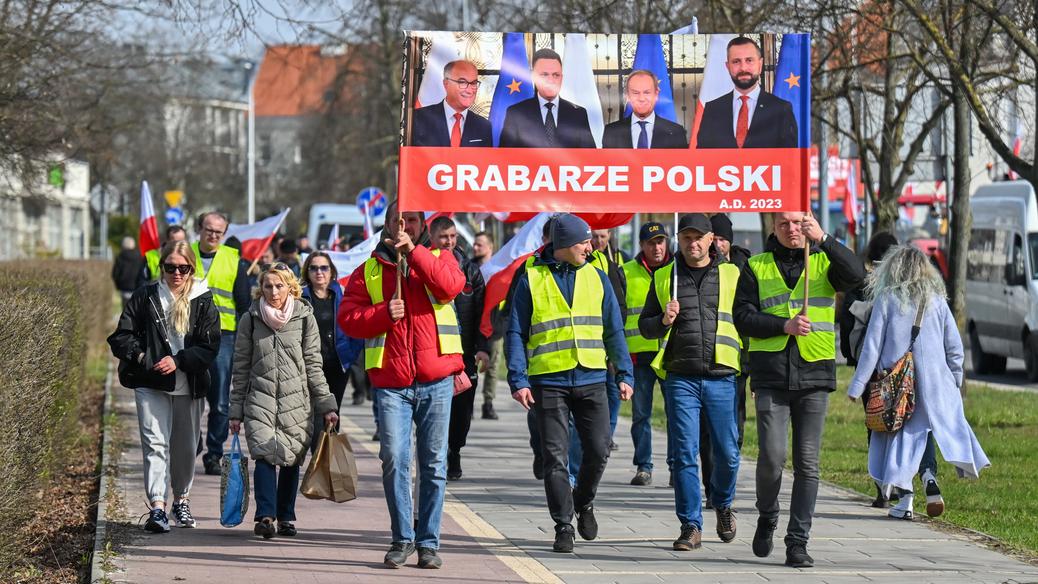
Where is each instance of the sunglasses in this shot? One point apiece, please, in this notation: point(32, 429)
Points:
point(280, 266)
point(320, 268)
point(183, 269)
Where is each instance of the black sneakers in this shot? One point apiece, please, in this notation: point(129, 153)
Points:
point(212, 466)
point(563, 539)
point(762, 544)
point(796, 556)
point(453, 466)
point(428, 559)
point(725, 524)
point(689, 539)
point(642, 478)
point(587, 525)
point(182, 514)
point(265, 528)
point(157, 521)
point(286, 529)
point(488, 411)
point(398, 554)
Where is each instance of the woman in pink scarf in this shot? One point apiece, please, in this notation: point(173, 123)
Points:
point(278, 383)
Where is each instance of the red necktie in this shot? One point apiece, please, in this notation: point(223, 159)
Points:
point(456, 131)
point(742, 126)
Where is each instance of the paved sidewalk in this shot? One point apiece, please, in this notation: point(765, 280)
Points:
point(496, 529)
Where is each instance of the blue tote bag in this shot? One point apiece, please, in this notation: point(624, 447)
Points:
point(234, 485)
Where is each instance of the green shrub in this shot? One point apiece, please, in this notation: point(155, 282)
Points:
point(55, 316)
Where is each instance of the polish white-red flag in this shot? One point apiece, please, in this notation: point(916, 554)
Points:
point(148, 233)
point(256, 237)
point(500, 268)
point(347, 261)
point(716, 79)
point(850, 199)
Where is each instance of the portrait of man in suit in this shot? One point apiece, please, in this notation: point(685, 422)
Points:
point(546, 120)
point(450, 123)
point(748, 117)
point(643, 128)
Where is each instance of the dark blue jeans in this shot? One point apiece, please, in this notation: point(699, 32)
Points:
point(275, 489)
point(686, 397)
point(219, 396)
point(641, 416)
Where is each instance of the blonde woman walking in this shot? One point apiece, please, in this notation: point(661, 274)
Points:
point(278, 383)
point(168, 335)
point(904, 282)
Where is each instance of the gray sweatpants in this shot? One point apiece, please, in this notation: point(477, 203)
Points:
point(169, 428)
point(775, 410)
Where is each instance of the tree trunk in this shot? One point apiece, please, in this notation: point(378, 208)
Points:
point(961, 217)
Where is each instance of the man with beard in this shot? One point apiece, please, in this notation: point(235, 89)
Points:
point(747, 117)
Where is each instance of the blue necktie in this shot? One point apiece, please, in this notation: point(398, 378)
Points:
point(643, 137)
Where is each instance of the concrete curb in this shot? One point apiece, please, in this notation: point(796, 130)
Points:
point(97, 572)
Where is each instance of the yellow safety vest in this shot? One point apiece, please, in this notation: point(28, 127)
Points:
point(776, 298)
point(600, 260)
point(639, 282)
point(152, 257)
point(223, 271)
point(562, 336)
point(447, 330)
point(727, 344)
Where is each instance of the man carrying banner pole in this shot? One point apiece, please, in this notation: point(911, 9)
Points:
point(792, 356)
point(698, 361)
point(564, 324)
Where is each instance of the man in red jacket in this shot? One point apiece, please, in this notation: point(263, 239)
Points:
point(412, 351)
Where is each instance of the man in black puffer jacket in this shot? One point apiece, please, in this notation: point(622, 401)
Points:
point(699, 360)
point(792, 365)
point(475, 347)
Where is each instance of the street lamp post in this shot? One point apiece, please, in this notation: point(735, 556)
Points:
point(251, 152)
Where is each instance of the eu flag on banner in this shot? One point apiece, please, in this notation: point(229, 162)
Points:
point(793, 81)
point(649, 56)
point(514, 84)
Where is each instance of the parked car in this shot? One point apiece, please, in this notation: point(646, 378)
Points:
point(1001, 285)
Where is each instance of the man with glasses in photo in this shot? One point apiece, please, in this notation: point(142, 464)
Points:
point(450, 123)
point(226, 276)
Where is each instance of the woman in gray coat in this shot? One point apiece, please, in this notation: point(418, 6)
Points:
point(278, 383)
point(903, 280)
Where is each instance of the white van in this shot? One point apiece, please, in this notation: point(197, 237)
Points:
point(325, 215)
point(1001, 284)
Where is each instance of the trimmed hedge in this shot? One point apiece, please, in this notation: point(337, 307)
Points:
point(54, 317)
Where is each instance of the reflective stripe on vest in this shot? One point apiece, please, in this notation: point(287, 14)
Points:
point(639, 282)
point(447, 331)
point(152, 257)
point(727, 344)
point(776, 298)
point(223, 271)
point(562, 336)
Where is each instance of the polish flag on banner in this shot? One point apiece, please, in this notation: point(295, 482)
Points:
point(256, 237)
point(578, 83)
point(148, 234)
point(348, 261)
point(716, 80)
point(501, 267)
point(445, 48)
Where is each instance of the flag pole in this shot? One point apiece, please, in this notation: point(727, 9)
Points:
point(677, 248)
point(399, 263)
point(807, 269)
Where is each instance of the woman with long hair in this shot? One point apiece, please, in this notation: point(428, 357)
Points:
point(168, 335)
point(906, 282)
point(278, 383)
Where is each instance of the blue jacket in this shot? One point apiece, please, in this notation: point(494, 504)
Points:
point(347, 347)
point(519, 331)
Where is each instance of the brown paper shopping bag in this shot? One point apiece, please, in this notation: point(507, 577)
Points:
point(342, 467)
point(317, 482)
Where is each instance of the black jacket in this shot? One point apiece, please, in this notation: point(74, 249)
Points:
point(524, 127)
point(665, 134)
point(786, 369)
point(126, 271)
point(140, 341)
point(469, 305)
point(690, 349)
point(430, 128)
point(773, 124)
